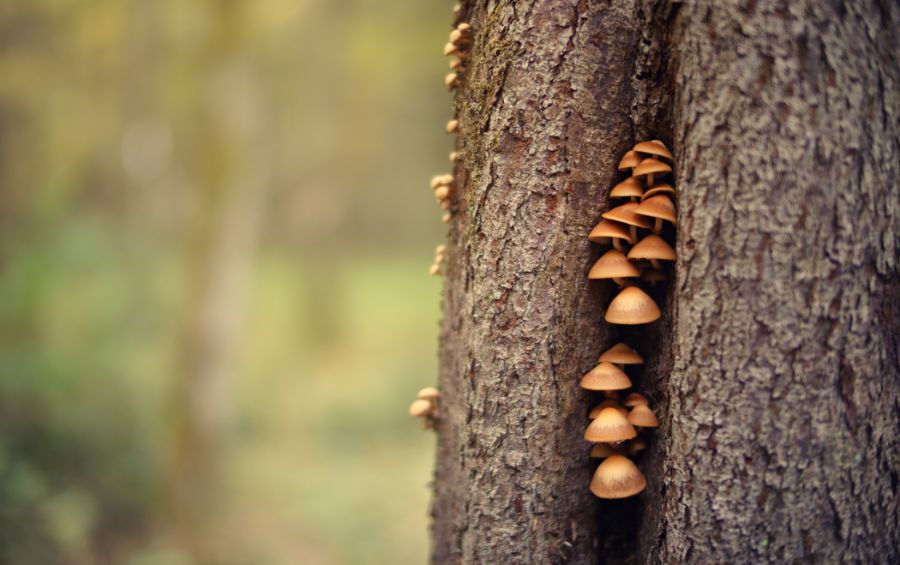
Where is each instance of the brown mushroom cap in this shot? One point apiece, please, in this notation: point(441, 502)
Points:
point(632, 306)
point(429, 393)
point(635, 399)
point(629, 161)
point(652, 247)
point(608, 403)
point(452, 126)
point(605, 376)
point(450, 48)
point(642, 416)
point(613, 264)
point(659, 206)
point(658, 189)
point(621, 354)
point(609, 426)
point(636, 445)
point(420, 407)
point(628, 188)
point(617, 477)
point(626, 214)
point(608, 228)
point(654, 147)
point(651, 166)
point(603, 450)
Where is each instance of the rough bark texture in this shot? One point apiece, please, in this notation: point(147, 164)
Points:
point(775, 365)
point(781, 430)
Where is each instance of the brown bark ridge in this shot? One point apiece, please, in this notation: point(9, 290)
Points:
point(544, 117)
point(780, 430)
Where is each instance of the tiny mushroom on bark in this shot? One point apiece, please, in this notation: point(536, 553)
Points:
point(649, 168)
point(626, 214)
point(451, 80)
point(628, 188)
point(642, 417)
point(653, 248)
point(420, 408)
point(629, 161)
point(608, 229)
point(610, 426)
point(429, 393)
point(605, 376)
point(659, 207)
point(613, 265)
point(603, 450)
point(636, 445)
point(621, 354)
point(658, 189)
point(453, 126)
point(635, 399)
point(655, 147)
point(617, 477)
point(632, 306)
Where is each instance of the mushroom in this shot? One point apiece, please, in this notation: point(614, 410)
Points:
point(643, 417)
point(442, 192)
point(635, 445)
point(420, 408)
point(608, 403)
point(450, 49)
point(653, 248)
point(613, 265)
point(454, 156)
point(610, 426)
point(659, 207)
point(429, 393)
point(655, 147)
point(434, 270)
point(603, 450)
point(451, 80)
point(628, 188)
point(658, 189)
point(635, 399)
point(617, 477)
point(453, 126)
point(650, 167)
point(632, 306)
point(629, 161)
point(626, 214)
point(605, 376)
point(608, 229)
point(446, 218)
point(621, 354)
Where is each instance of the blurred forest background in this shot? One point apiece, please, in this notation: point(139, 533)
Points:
point(215, 228)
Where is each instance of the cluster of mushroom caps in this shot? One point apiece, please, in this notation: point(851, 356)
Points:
point(614, 424)
point(440, 255)
point(425, 406)
point(636, 255)
point(615, 421)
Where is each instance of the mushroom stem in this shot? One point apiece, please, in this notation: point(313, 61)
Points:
point(617, 244)
point(655, 263)
point(649, 180)
point(620, 281)
point(633, 231)
point(657, 226)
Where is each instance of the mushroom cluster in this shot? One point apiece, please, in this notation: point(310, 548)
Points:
point(425, 406)
point(440, 255)
point(635, 229)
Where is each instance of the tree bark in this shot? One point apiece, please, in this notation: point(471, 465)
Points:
point(775, 366)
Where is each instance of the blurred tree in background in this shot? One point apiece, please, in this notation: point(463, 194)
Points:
point(214, 228)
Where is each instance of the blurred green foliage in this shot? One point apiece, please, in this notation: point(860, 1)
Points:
point(126, 129)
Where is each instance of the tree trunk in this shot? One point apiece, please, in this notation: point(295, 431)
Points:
point(775, 366)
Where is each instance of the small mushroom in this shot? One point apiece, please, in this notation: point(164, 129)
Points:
point(628, 188)
point(635, 399)
point(653, 248)
point(635, 445)
point(446, 218)
point(658, 189)
point(632, 306)
point(643, 417)
point(649, 168)
point(608, 403)
point(659, 207)
point(434, 270)
point(450, 49)
point(453, 126)
point(626, 214)
point(656, 148)
point(603, 450)
point(454, 156)
point(610, 426)
point(613, 265)
point(420, 408)
point(429, 393)
point(617, 477)
point(605, 376)
point(451, 80)
point(608, 229)
point(442, 192)
point(456, 64)
point(629, 161)
point(621, 354)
